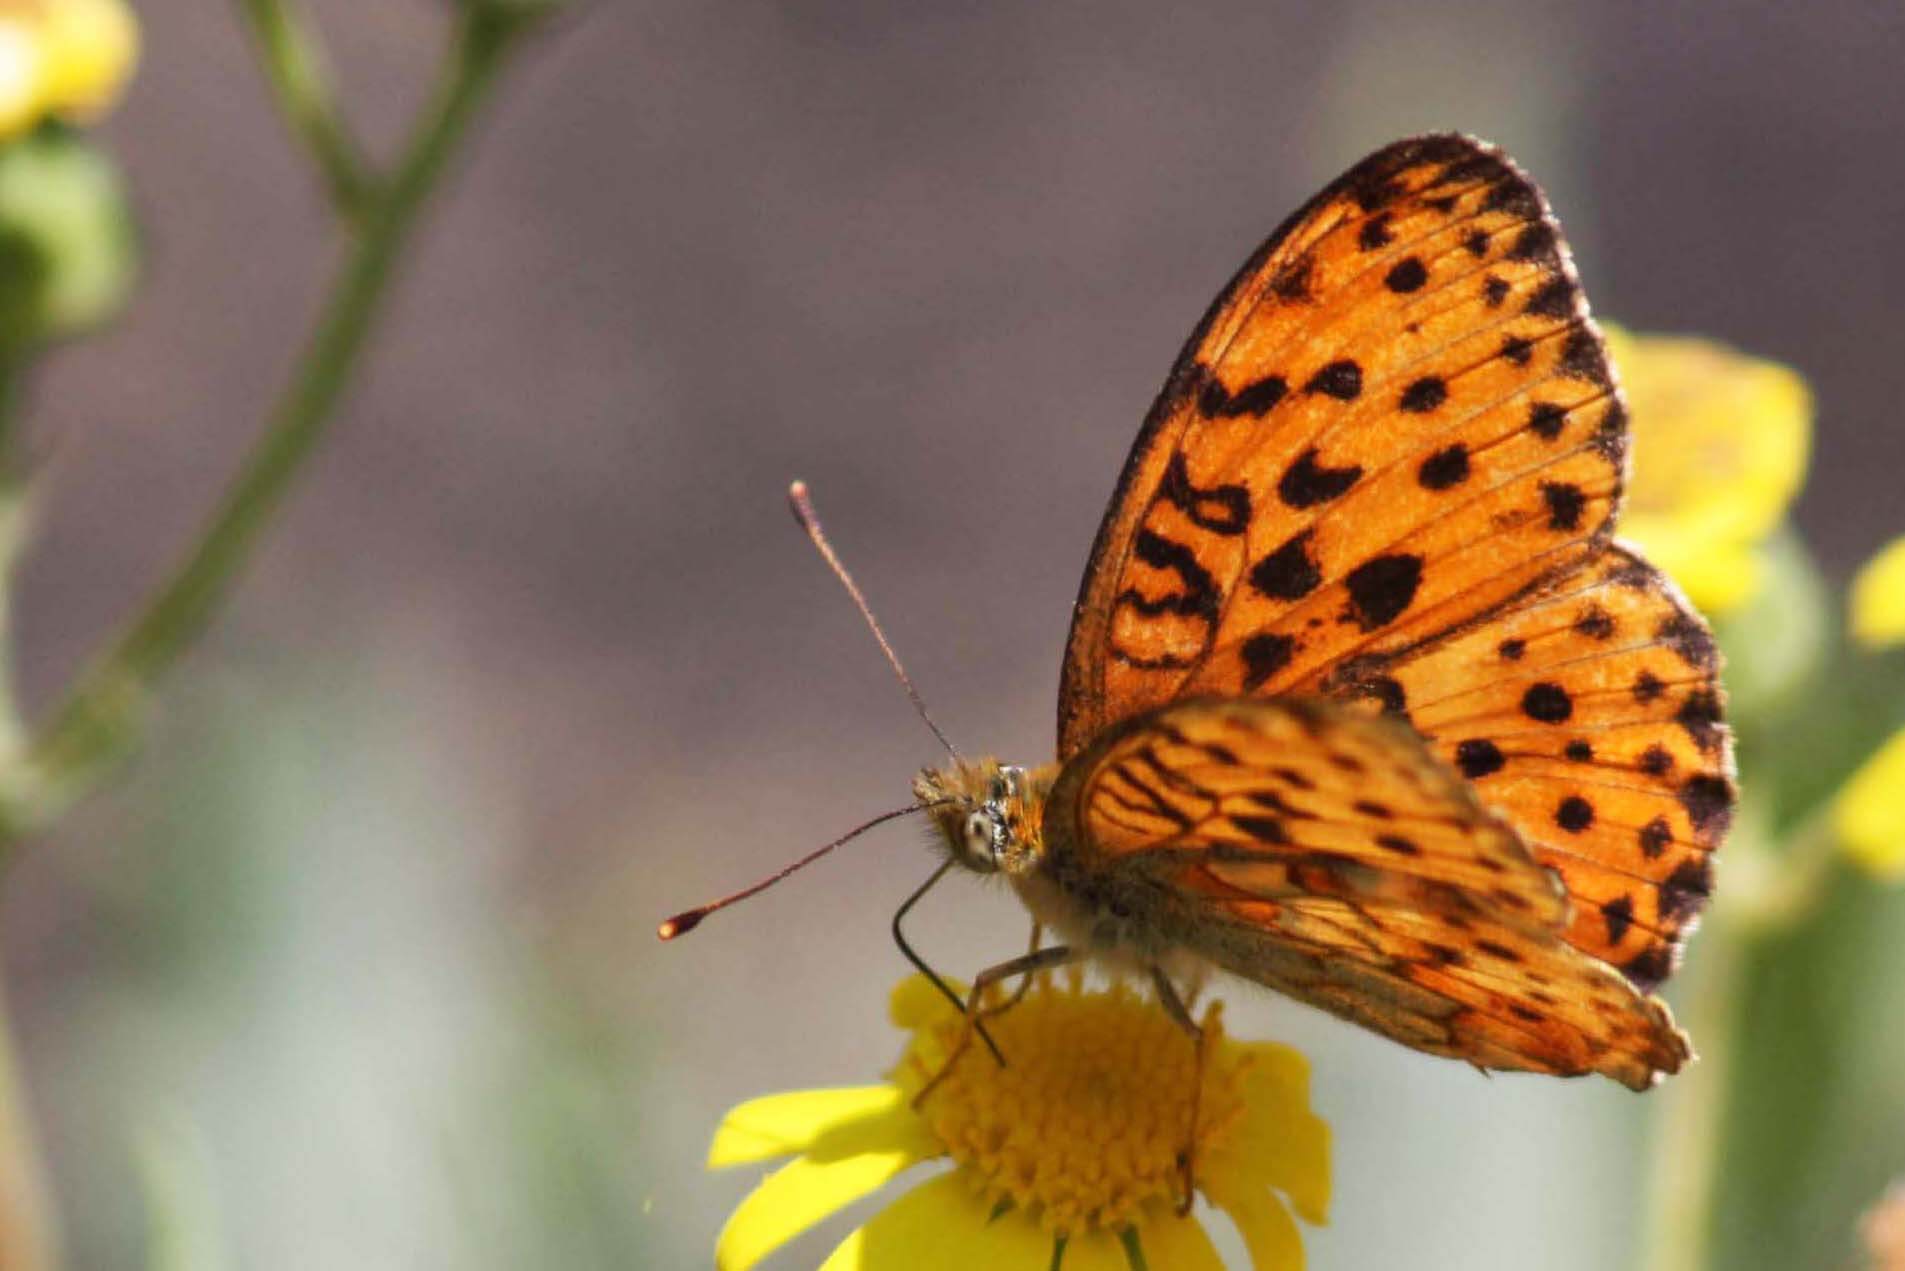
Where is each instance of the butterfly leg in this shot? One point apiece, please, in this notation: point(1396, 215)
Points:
point(1181, 1014)
point(1027, 965)
point(1025, 981)
point(906, 948)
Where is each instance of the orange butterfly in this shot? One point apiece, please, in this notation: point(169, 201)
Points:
point(1362, 701)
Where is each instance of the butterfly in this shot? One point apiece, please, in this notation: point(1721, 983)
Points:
point(1362, 700)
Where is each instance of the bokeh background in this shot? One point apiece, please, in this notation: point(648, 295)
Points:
point(356, 966)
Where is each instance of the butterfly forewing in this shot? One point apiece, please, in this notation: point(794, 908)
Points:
point(1399, 409)
point(1327, 854)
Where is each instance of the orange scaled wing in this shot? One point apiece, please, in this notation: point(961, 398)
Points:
point(1327, 854)
point(1393, 448)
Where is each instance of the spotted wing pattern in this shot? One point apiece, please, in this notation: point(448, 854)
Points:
point(1327, 854)
point(1394, 419)
point(1394, 445)
point(1592, 713)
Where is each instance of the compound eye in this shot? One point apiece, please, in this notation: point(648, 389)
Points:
point(979, 836)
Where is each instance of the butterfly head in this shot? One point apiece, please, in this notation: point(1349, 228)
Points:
point(986, 812)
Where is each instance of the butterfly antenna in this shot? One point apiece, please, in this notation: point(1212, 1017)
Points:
point(810, 521)
point(686, 921)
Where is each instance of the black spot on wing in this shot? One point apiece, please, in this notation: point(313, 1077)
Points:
point(1700, 715)
point(1546, 420)
point(1264, 829)
point(1341, 379)
point(1537, 243)
point(1221, 509)
point(1689, 638)
point(1583, 357)
point(1709, 803)
point(1574, 814)
point(1288, 573)
point(1254, 398)
point(1513, 194)
point(1565, 503)
point(1547, 702)
point(1306, 483)
point(1264, 655)
point(1686, 890)
point(1446, 467)
point(1619, 914)
point(1381, 588)
point(1654, 837)
point(1198, 596)
point(1293, 281)
point(1406, 275)
point(1553, 299)
point(1424, 395)
point(1595, 623)
point(1478, 757)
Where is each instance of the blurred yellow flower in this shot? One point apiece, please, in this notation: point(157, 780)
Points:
point(1070, 1151)
point(62, 57)
point(1868, 814)
point(1720, 449)
point(1878, 598)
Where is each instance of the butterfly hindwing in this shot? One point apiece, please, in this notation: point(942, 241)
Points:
point(1328, 854)
point(1591, 715)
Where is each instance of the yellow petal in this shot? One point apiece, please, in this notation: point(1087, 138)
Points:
point(1100, 1251)
point(797, 1196)
point(783, 1124)
point(1718, 575)
point(1878, 598)
point(1175, 1244)
point(1266, 1226)
point(90, 48)
point(22, 72)
point(916, 1003)
point(1282, 1142)
point(1869, 812)
point(1720, 447)
point(942, 1225)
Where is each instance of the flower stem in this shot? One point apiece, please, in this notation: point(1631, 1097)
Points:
point(1776, 892)
point(97, 722)
point(1687, 1136)
point(29, 1238)
point(294, 67)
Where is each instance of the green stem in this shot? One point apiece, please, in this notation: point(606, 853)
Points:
point(1769, 893)
point(29, 1238)
point(96, 723)
point(294, 67)
point(1688, 1133)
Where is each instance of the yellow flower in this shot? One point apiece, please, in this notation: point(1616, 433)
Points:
point(1720, 449)
point(62, 57)
point(1868, 813)
point(1878, 598)
point(1069, 1150)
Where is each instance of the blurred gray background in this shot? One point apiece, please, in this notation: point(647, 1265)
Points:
point(357, 968)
